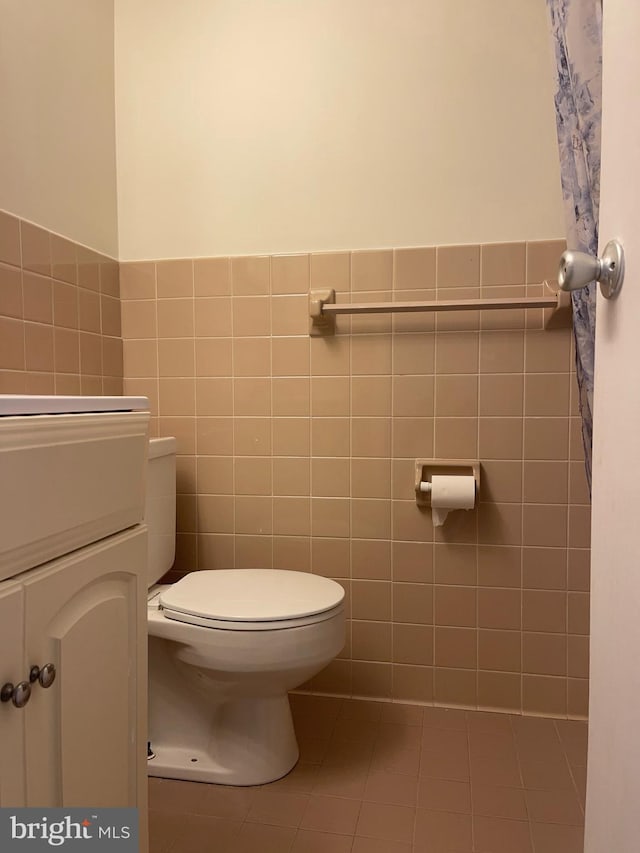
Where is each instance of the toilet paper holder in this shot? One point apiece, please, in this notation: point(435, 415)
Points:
point(426, 468)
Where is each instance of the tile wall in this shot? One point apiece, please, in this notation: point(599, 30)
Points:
point(298, 453)
point(59, 314)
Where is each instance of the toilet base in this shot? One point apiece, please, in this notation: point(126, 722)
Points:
point(178, 763)
point(246, 742)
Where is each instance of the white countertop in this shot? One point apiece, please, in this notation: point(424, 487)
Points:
point(35, 404)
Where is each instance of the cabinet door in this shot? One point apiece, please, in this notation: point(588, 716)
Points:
point(85, 736)
point(12, 670)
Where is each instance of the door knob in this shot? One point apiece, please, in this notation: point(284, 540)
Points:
point(577, 269)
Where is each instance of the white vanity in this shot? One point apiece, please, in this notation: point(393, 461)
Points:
point(73, 602)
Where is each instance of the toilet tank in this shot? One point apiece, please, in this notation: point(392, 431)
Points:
point(160, 507)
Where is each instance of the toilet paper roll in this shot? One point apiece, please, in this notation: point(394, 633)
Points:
point(448, 492)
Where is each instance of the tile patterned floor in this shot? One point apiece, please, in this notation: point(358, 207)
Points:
point(383, 778)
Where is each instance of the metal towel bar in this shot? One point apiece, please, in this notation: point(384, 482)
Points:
point(323, 308)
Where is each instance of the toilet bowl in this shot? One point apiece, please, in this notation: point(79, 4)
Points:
point(225, 647)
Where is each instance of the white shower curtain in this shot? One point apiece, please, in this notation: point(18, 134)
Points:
point(576, 30)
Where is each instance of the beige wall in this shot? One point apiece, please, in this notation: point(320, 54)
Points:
point(59, 314)
point(57, 145)
point(298, 453)
point(285, 127)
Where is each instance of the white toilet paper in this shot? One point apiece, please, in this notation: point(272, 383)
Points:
point(450, 492)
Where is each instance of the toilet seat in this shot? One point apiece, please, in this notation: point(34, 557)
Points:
point(252, 599)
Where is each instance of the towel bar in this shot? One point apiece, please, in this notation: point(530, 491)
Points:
point(323, 308)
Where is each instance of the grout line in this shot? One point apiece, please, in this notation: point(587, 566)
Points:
point(232, 304)
point(271, 295)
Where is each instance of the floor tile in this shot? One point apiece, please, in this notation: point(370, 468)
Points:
point(484, 721)
point(163, 830)
point(407, 715)
point(306, 704)
point(438, 766)
point(444, 795)
point(382, 777)
point(222, 801)
point(492, 801)
point(400, 736)
point(498, 772)
point(301, 779)
point(445, 741)
point(445, 718)
point(579, 774)
point(392, 823)
point(574, 736)
point(331, 814)
point(267, 839)
point(391, 788)
point(442, 831)
point(310, 841)
point(277, 808)
point(537, 729)
point(362, 710)
point(173, 795)
point(313, 749)
point(359, 731)
point(200, 833)
point(386, 758)
point(340, 751)
point(543, 750)
point(496, 835)
point(554, 838)
point(314, 727)
point(378, 845)
point(546, 776)
point(492, 745)
point(341, 780)
point(554, 807)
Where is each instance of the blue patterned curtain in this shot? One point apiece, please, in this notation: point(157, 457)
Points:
point(576, 30)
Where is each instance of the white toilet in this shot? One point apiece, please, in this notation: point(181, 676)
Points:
point(225, 647)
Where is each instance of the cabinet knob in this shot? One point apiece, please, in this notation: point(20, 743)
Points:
point(47, 675)
point(21, 694)
point(6, 692)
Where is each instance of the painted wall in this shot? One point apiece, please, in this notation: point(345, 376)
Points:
point(57, 146)
point(284, 126)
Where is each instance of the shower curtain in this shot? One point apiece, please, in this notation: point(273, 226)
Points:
point(576, 31)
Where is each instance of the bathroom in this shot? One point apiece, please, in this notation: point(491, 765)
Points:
point(175, 179)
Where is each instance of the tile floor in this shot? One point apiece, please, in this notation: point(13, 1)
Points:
point(387, 778)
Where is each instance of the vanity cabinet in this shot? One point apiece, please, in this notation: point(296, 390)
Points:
point(73, 587)
point(77, 742)
point(12, 669)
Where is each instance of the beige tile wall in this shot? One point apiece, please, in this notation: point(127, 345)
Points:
point(299, 453)
point(59, 315)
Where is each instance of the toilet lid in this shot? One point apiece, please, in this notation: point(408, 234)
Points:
point(252, 595)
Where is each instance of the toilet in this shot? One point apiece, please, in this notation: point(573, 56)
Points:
point(225, 647)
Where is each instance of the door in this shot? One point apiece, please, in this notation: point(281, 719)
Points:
point(85, 735)
point(613, 778)
point(12, 671)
